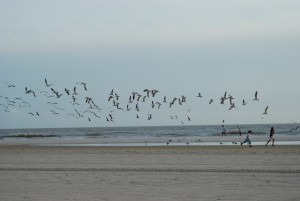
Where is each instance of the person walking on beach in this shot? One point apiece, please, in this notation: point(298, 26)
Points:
point(247, 139)
point(272, 132)
point(223, 130)
point(240, 132)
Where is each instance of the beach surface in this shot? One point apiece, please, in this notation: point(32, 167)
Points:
point(47, 173)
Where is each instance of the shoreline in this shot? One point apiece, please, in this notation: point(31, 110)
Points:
point(150, 141)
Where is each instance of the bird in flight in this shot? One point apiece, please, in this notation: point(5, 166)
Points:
point(10, 85)
point(266, 111)
point(74, 91)
point(84, 85)
point(29, 91)
point(147, 91)
point(111, 92)
point(165, 99)
point(232, 106)
point(225, 95)
point(222, 100)
point(67, 91)
point(255, 97)
point(46, 82)
point(31, 113)
point(230, 99)
point(199, 95)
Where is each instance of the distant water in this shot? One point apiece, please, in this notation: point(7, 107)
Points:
point(147, 132)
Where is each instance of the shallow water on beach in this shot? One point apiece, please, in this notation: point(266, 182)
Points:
point(169, 144)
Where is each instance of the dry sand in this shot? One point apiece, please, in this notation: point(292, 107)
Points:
point(40, 173)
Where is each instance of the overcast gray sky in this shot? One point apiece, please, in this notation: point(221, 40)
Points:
point(177, 47)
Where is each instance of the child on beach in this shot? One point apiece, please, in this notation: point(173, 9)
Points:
point(247, 139)
point(272, 132)
point(223, 130)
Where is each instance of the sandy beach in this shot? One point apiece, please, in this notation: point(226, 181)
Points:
point(47, 173)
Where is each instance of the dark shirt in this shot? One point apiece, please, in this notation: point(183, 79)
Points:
point(271, 132)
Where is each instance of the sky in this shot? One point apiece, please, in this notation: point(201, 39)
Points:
point(180, 48)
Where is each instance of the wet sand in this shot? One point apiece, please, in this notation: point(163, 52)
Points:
point(149, 173)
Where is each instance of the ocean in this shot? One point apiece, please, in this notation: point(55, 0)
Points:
point(154, 133)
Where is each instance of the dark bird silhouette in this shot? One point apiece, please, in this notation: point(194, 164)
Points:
point(159, 104)
point(137, 107)
point(266, 111)
point(74, 91)
point(255, 96)
point(152, 104)
point(88, 100)
point(154, 92)
point(67, 91)
point(111, 92)
point(110, 98)
point(199, 95)
point(46, 82)
point(56, 93)
point(84, 85)
point(29, 91)
point(10, 85)
point(128, 108)
point(148, 92)
point(53, 112)
point(232, 106)
point(130, 101)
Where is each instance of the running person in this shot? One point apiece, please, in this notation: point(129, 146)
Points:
point(272, 132)
point(247, 139)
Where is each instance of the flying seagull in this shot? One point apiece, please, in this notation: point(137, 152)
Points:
point(46, 82)
point(31, 113)
point(10, 85)
point(67, 91)
point(199, 95)
point(230, 99)
point(74, 91)
point(232, 106)
point(266, 111)
point(255, 98)
point(84, 85)
point(29, 91)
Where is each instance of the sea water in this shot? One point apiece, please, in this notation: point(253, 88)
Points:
point(179, 135)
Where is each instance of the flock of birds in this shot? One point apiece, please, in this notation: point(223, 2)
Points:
point(76, 98)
